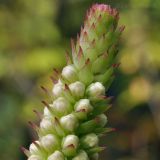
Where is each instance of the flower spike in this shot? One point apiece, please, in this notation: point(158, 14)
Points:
point(72, 124)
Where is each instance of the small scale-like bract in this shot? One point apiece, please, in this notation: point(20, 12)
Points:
point(75, 118)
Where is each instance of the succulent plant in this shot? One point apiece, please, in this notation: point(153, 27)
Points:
point(71, 126)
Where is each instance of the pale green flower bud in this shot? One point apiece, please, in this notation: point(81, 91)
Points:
point(83, 104)
point(70, 145)
point(47, 112)
point(50, 142)
point(96, 89)
point(58, 89)
point(60, 106)
point(82, 155)
point(69, 122)
point(57, 155)
point(69, 73)
point(77, 89)
point(34, 149)
point(90, 140)
point(35, 157)
point(46, 124)
point(83, 107)
point(102, 118)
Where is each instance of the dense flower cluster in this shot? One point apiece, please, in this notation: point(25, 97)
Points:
point(71, 125)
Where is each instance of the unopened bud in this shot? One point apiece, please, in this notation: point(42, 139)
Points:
point(69, 73)
point(34, 149)
point(50, 142)
point(77, 89)
point(69, 122)
point(102, 118)
point(83, 107)
point(83, 104)
point(60, 106)
point(96, 89)
point(58, 89)
point(90, 140)
point(46, 124)
point(82, 155)
point(35, 157)
point(57, 155)
point(47, 113)
point(70, 145)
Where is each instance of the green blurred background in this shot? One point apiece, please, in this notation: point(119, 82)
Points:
point(34, 35)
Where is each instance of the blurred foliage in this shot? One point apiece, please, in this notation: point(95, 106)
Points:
point(34, 35)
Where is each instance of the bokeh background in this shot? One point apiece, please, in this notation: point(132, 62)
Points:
point(34, 35)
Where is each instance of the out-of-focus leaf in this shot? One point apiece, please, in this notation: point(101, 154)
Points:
point(41, 60)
